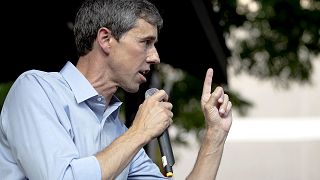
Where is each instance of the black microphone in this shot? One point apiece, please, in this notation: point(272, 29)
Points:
point(164, 144)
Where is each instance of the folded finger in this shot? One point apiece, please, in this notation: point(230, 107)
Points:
point(224, 104)
point(215, 96)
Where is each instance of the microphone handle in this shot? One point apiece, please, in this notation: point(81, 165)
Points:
point(164, 144)
point(166, 153)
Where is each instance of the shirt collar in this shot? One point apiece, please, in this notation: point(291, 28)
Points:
point(114, 107)
point(80, 86)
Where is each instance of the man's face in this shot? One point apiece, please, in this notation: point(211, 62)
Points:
point(133, 54)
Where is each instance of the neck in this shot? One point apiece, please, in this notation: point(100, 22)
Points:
point(94, 72)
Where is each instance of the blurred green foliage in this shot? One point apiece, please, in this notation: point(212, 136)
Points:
point(283, 36)
point(269, 39)
point(4, 88)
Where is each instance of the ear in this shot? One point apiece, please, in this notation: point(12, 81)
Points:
point(103, 38)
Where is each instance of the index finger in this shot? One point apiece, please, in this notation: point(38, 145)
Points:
point(206, 91)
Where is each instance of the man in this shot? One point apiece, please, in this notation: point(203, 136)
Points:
point(65, 125)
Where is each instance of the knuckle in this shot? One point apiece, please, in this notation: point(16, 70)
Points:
point(226, 97)
point(215, 95)
point(207, 106)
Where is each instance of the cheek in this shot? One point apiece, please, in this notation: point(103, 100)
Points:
point(137, 55)
point(131, 56)
point(138, 51)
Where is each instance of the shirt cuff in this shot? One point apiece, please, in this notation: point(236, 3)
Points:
point(86, 168)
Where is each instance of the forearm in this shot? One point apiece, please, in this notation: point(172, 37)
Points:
point(209, 156)
point(119, 153)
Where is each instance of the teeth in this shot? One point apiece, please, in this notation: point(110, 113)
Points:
point(144, 72)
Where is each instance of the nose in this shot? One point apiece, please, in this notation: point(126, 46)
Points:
point(153, 56)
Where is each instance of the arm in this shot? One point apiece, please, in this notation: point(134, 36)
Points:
point(152, 118)
point(218, 117)
point(35, 136)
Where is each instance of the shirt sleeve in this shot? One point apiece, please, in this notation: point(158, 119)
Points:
point(142, 167)
point(34, 144)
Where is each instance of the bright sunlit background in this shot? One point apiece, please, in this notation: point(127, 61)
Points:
point(279, 139)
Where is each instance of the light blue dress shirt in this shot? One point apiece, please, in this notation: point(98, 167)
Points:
point(52, 124)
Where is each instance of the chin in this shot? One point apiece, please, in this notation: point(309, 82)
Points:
point(132, 89)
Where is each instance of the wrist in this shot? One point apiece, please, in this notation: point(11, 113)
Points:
point(138, 136)
point(215, 136)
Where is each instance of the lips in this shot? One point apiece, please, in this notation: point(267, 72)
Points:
point(143, 74)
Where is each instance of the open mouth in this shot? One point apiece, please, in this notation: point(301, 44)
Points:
point(144, 73)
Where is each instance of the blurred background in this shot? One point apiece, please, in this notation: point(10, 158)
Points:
point(264, 53)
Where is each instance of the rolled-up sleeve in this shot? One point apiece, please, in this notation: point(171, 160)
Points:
point(142, 167)
point(89, 165)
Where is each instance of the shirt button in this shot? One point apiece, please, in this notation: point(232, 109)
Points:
point(99, 98)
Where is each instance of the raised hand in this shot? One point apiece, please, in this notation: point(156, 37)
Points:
point(216, 105)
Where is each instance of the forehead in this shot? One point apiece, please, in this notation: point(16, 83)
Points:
point(143, 29)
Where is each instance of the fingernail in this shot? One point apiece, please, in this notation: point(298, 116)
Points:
point(222, 111)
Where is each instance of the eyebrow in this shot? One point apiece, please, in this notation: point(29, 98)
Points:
point(155, 39)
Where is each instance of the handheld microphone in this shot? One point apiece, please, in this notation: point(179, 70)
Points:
point(164, 144)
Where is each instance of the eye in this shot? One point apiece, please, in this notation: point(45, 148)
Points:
point(148, 43)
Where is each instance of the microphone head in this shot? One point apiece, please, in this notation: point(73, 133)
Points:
point(150, 92)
